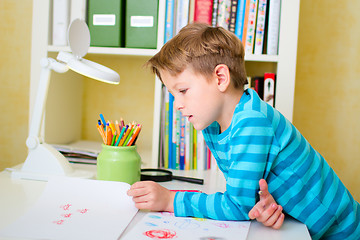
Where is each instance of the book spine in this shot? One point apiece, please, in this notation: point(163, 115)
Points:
point(182, 143)
point(203, 11)
point(246, 20)
point(166, 139)
point(214, 13)
point(223, 15)
point(260, 27)
point(273, 27)
point(171, 117)
point(169, 20)
point(258, 85)
point(233, 13)
point(61, 11)
point(182, 14)
point(250, 34)
point(191, 146)
point(239, 23)
point(200, 151)
point(177, 140)
point(208, 156)
point(269, 88)
point(187, 144)
point(195, 149)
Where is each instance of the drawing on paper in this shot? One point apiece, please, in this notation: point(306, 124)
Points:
point(68, 214)
point(160, 234)
point(164, 225)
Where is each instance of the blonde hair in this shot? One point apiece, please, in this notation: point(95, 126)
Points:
point(202, 48)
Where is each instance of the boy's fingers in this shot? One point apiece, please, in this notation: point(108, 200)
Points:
point(267, 214)
point(254, 213)
point(264, 192)
point(273, 217)
point(279, 222)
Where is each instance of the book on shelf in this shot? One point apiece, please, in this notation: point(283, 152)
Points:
point(260, 27)
point(239, 22)
point(257, 83)
point(246, 20)
point(272, 39)
point(214, 13)
point(269, 88)
point(251, 25)
point(203, 11)
point(233, 15)
point(141, 18)
point(80, 151)
point(223, 14)
point(106, 23)
point(182, 14)
point(169, 20)
point(264, 86)
point(61, 18)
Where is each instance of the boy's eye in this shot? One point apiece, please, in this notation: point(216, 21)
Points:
point(183, 90)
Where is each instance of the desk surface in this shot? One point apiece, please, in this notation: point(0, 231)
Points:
point(17, 196)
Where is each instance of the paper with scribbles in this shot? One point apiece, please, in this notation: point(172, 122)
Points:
point(71, 208)
point(164, 225)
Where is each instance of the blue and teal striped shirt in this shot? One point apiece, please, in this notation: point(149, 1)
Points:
point(262, 143)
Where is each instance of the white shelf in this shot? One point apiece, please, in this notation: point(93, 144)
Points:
point(109, 50)
point(283, 64)
point(152, 52)
point(261, 58)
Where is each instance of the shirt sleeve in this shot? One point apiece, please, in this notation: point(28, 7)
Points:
point(250, 150)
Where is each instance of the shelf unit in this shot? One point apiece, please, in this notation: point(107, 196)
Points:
point(284, 64)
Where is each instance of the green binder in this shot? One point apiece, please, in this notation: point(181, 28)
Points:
point(141, 23)
point(106, 23)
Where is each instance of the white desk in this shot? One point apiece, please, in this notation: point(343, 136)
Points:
point(17, 196)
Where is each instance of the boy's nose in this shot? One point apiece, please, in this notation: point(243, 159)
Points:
point(178, 105)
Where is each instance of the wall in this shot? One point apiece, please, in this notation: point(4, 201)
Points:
point(15, 43)
point(327, 91)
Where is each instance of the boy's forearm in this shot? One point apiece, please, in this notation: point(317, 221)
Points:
point(217, 206)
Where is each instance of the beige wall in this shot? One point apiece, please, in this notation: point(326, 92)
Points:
point(15, 43)
point(327, 102)
point(327, 92)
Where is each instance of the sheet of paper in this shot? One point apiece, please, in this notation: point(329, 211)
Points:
point(164, 225)
point(71, 208)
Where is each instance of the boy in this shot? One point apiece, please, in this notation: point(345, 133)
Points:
point(204, 68)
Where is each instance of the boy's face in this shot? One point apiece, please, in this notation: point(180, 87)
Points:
point(196, 97)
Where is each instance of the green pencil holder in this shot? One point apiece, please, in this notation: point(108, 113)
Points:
point(119, 164)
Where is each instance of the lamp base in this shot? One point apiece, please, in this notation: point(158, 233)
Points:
point(44, 162)
point(45, 177)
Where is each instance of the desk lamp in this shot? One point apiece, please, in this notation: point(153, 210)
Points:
point(43, 160)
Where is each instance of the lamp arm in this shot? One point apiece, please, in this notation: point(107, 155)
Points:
point(47, 64)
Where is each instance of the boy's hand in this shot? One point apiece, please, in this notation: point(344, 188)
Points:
point(266, 210)
point(150, 195)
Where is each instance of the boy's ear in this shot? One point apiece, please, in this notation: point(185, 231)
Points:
point(222, 74)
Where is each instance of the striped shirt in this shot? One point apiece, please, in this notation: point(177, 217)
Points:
point(262, 143)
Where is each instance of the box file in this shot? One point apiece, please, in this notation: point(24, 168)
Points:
point(106, 23)
point(141, 23)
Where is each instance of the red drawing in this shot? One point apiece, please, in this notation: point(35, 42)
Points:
point(82, 211)
point(66, 215)
point(222, 225)
point(60, 222)
point(66, 207)
point(160, 234)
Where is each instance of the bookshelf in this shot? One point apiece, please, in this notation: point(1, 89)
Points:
point(283, 64)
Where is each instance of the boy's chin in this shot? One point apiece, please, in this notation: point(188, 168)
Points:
point(199, 127)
